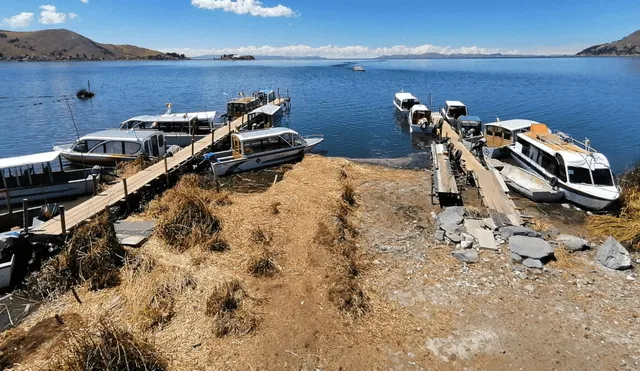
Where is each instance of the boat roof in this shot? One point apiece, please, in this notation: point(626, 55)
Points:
point(419, 107)
point(269, 109)
point(515, 124)
point(175, 117)
point(131, 135)
point(266, 133)
point(266, 91)
point(33, 159)
point(456, 103)
point(469, 118)
point(405, 96)
point(243, 100)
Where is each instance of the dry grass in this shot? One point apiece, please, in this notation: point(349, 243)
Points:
point(92, 255)
point(349, 195)
point(126, 169)
point(263, 264)
point(228, 306)
point(261, 237)
point(349, 297)
point(275, 208)
point(541, 225)
point(108, 347)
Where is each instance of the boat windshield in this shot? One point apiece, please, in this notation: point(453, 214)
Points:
point(579, 175)
point(456, 112)
point(407, 104)
point(602, 177)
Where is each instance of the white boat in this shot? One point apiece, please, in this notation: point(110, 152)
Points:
point(403, 102)
point(452, 110)
point(179, 128)
point(108, 147)
point(500, 135)
point(358, 69)
point(420, 119)
point(242, 105)
point(266, 96)
point(267, 116)
point(32, 177)
point(257, 149)
point(583, 174)
point(529, 185)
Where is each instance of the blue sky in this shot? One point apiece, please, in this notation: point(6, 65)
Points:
point(356, 28)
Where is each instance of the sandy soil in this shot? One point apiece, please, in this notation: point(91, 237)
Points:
point(419, 308)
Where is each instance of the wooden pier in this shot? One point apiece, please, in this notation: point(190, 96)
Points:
point(118, 192)
point(491, 189)
point(444, 182)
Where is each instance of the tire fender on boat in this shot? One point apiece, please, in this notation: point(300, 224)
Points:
point(553, 182)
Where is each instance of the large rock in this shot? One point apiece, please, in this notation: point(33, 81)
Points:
point(532, 263)
point(451, 215)
point(573, 243)
point(530, 247)
point(507, 232)
point(466, 256)
point(451, 227)
point(613, 255)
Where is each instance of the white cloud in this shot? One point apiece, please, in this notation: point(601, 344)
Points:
point(21, 20)
point(50, 15)
point(85, 1)
point(332, 51)
point(253, 7)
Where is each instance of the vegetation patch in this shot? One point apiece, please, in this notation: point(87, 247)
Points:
point(263, 264)
point(228, 306)
point(349, 297)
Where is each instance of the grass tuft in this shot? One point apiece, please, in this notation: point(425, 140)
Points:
point(227, 306)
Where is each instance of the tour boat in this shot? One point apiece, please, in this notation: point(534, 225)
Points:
point(529, 185)
point(108, 147)
point(583, 174)
point(256, 149)
point(266, 96)
point(179, 128)
point(242, 105)
point(420, 119)
point(403, 102)
point(265, 117)
point(469, 128)
point(452, 110)
point(358, 69)
point(500, 135)
point(32, 177)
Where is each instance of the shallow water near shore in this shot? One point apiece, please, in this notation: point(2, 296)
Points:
point(585, 97)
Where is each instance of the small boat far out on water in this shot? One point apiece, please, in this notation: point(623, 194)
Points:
point(257, 149)
point(403, 102)
point(583, 174)
point(358, 69)
point(108, 147)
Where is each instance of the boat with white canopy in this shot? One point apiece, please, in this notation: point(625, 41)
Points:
point(500, 135)
point(420, 119)
point(267, 116)
point(403, 103)
point(33, 177)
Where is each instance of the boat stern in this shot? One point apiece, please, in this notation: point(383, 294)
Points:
point(312, 141)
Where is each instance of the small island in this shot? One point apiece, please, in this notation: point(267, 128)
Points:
point(236, 57)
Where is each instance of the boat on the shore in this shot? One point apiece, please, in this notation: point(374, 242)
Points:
point(358, 69)
point(257, 149)
point(529, 185)
point(32, 177)
point(583, 174)
point(242, 105)
point(420, 119)
point(267, 116)
point(108, 147)
point(179, 128)
point(452, 110)
point(500, 135)
point(403, 103)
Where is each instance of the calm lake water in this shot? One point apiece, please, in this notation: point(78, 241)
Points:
point(598, 98)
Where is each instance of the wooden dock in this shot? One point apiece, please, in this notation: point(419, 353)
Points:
point(493, 195)
point(444, 182)
point(116, 193)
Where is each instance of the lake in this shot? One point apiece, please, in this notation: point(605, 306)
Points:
point(598, 98)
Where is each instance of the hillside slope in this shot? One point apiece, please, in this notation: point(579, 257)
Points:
point(67, 45)
point(630, 45)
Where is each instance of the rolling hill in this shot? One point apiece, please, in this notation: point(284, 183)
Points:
point(630, 45)
point(60, 45)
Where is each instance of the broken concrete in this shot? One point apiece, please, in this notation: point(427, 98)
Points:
point(573, 243)
point(507, 232)
point(486, 240)
point(532, 263)
point(613, 255)
point(516, 258)
point(466, 256)
point(530, 247)
point(451, 215)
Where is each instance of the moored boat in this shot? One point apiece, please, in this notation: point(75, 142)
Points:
point(583, 174)
point(242, 105)
point(452, 110)
point(266, 96)
point(529, 185)
point(358, 69)
point(257, 149)
point(108, 147)
point(403, 103)
point(420, 119)
point(500, 135)
point(267, 116)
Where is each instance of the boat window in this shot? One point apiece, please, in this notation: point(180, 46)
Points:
point(146, 147)
point(489, 132)
point(561, 172)
point(548, 163)
point(81, 147)
point(287, 138)
point(526, 147)
point(154, 146)
point(498, 132)
point(252, 146)
point(507, 135)
point(602, 177)
point(113, 147)
point(131, 148)
point(297, 140)
point(579, 175)
point(456, 112)
point(161, 140)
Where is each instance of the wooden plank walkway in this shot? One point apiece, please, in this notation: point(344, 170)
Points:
point(445, 181)
point(115, 193)
point(492, 193)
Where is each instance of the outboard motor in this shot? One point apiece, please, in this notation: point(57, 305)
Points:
point(96, 170)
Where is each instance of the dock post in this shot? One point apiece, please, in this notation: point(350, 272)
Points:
point(166, 172)
point(63, 221)
point(95, 184)
point(25, 214)
point(126, 194)
point(9, 208)
point(212, 139)
point(192, 147)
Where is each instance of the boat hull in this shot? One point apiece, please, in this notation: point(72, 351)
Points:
point(529, 185)
point(256, 162)
point(88, 159)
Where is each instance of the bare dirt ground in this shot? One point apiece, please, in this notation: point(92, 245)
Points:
point(360, 286)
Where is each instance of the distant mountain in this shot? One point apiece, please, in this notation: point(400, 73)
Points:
point(630, 45)
point(452, 56)
point(62, 45)
point(263, 58)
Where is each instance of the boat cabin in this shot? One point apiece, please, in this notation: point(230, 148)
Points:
point(267, 116)
point(468, 126)
point(241, 106)
point(201, 123)
point(503, 133)
point(453, 109)
point(266, 96)
point(251, 143)
point(404, 101)
point(420, 113)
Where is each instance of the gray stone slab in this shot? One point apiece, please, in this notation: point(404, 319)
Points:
point(613, 255)
point(486, 240)
point(466, 256)
point(530, 247)
point(451, 215)
point(516, 258)
point(472, 224)
point(489, 223)
point(439, 235)
point(573, 243)
point(133, 233)
point(509, 231)
point(450, 227)
point(454, 237)
point(532, 263)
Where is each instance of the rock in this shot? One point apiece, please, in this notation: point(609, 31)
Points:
point(532, 263)
point(434, 216)
point(466, 244)
point(451, 215)
point(450, 227)
point(516, 258)
point(467, 237)
point(466, 256)
point(554, 232)
point(454, 237)
point(507, 232)
point(530, 247)
point(573, 243)
point(439, 235)
point(613, 255)
point(489, 223)
point(566, 206)
point(485, 239)
point(471, 225)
